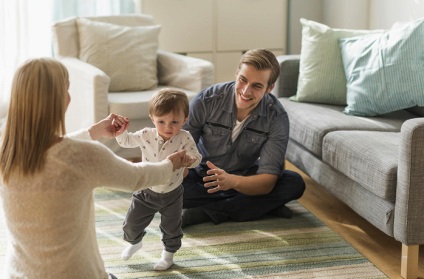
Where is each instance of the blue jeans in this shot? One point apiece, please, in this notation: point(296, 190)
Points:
point(234, 206)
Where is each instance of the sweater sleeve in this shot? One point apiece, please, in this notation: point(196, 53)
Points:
point(82, 134)
point(100, 167)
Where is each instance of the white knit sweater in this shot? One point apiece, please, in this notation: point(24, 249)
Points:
point(50, 216)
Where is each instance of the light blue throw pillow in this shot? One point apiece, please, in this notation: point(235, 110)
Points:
point(321, 76)
point(384, 72)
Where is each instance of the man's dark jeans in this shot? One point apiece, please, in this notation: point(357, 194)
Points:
point(234, 206)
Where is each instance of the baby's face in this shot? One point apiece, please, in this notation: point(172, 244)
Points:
point(170, 124)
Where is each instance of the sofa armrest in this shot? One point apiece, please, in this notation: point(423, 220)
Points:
point(89, 94)
point(409, 206)
point(184, 72)
point(286, 84)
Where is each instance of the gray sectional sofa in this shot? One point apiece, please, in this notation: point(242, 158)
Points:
point(373, 164)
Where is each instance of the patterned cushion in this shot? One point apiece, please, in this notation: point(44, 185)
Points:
point(367, 157)
point(321, 75)
point(384, 71)
point(126, 54)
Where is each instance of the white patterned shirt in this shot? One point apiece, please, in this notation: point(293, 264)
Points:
point(154, 149)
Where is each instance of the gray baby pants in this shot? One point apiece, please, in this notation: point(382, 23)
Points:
point(143, 207)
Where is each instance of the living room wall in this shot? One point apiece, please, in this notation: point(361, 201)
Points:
point(358, 14)
point(383, 13)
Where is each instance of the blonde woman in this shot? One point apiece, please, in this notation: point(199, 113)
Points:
point(48, 178)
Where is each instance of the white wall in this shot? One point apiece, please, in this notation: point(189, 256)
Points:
point(346, 13)
point(334, 13)
point(384, 13)
point(357, 14)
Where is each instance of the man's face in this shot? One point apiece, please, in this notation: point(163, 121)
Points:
point(251, 86)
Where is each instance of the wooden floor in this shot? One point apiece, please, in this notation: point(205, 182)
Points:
point(383, 251)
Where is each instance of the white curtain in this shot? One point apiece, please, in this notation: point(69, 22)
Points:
point(22, 32)
point(66, 8)
point(25, 31)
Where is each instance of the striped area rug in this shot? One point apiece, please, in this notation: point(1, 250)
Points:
point(301, 247)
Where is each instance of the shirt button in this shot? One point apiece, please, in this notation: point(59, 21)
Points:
point(160, 141)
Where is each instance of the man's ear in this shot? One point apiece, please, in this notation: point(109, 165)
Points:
point(269, 89)
point(185, 120)
point(151, 118)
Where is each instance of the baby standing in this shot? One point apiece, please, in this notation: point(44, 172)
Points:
point(168, 109)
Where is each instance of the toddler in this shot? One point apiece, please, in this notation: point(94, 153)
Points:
point(168, 109)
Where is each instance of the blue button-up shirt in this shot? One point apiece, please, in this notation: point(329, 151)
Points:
point(262, 141)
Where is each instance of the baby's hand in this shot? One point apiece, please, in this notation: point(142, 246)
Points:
point(177, 159)
point(188, 161)
point(185, 173)
point(120, 124)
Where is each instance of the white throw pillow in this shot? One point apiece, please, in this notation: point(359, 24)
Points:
point(126, 54)
point(321, 73)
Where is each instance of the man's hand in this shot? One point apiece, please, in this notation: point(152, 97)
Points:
point(218, 179)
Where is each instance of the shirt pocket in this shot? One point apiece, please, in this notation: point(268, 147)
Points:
point(250, 144)
point(216, 137)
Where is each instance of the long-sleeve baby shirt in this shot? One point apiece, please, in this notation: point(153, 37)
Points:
point(154, 149)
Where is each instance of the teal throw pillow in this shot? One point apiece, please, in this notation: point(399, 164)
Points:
point(384, 72)
point(321, 76)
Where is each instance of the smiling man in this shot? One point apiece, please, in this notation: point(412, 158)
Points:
point(242, 131)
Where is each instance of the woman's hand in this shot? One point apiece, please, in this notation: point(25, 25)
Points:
point(120, 123)
point(180, 159)
point(110, 127)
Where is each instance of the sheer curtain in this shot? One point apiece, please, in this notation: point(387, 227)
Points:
point(25, 31)
point(22, 25)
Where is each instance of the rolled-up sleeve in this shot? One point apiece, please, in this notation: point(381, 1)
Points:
point(273, 151)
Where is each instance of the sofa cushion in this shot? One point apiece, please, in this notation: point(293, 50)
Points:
point(65, 32)
point(135, 105)
point(310, 123)
point(368, 157)
point(321, 75)
point(126, 54)
point(384, 71)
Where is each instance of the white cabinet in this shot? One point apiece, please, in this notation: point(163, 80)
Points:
point(219, 30)
point(187, 25)
point(246, 24)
